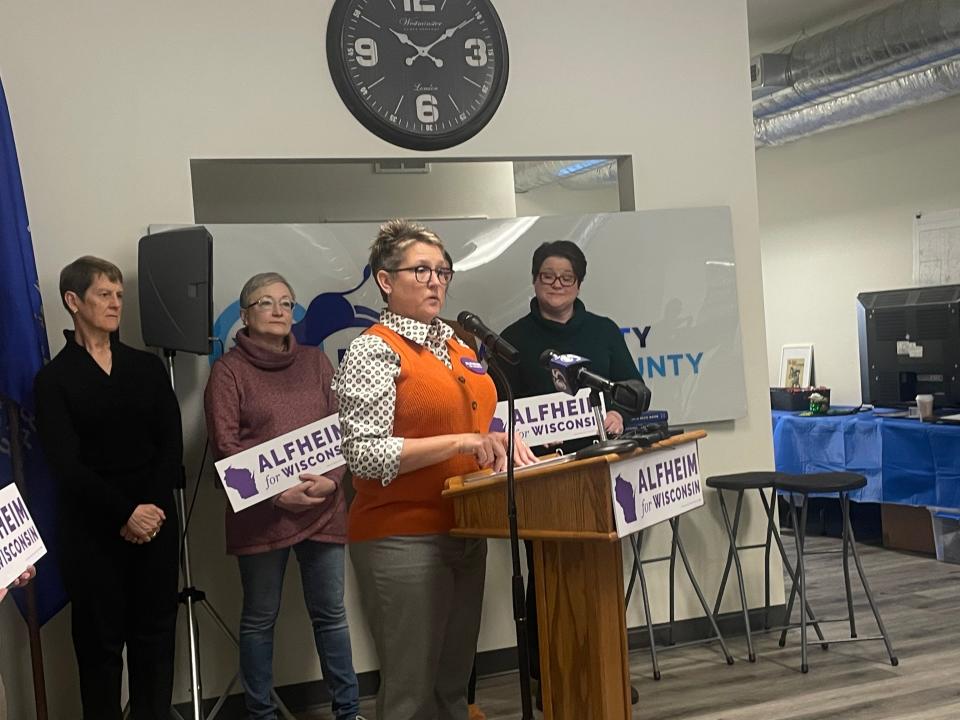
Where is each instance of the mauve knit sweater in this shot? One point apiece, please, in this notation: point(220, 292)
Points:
point(255, 394)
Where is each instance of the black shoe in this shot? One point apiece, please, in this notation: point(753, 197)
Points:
point(634, 695)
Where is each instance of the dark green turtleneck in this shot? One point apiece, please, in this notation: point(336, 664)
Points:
point(593, 336)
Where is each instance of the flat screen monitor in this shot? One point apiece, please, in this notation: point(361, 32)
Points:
point(910, 345)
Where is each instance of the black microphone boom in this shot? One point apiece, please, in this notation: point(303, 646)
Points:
point(493, 342)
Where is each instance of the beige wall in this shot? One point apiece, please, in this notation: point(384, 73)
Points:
point(836, 218)
point(110, 101)
point(310, 192)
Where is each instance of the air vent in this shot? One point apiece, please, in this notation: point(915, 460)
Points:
point(942, 293)
point(401, 167)
point(891, 299)
point(890, 325)
point(933, 322)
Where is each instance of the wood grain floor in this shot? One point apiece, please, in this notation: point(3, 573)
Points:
point(919, 601)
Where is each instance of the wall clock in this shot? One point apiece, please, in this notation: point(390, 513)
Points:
point(421, 74)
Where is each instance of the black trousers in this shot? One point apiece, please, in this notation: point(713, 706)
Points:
point(123, 595)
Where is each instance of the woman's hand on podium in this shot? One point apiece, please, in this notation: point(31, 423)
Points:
point(613, 423)
point(522, 454)
point(488, 448)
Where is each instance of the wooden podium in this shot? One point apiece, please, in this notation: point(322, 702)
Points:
point(567, 511)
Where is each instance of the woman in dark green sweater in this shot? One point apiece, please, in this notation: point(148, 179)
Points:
point(559, 321)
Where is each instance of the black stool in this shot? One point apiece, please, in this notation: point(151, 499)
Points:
point(636, 541)
point(841, 483)
point(740, 483)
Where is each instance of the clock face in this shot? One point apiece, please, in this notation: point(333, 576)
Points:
point(422, 74)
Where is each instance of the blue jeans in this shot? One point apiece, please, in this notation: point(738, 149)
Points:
point(321, 567)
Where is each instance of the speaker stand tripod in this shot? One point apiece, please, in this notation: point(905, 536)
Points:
point(192, 598)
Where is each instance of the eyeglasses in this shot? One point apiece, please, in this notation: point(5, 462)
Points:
point(548, 278)
point(423, 272)
point(268, 304)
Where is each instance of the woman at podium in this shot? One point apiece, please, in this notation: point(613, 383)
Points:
point(415, 408)
point(558, 320)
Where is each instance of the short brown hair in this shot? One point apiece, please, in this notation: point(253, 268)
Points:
point(393, 239)
point(79, 275)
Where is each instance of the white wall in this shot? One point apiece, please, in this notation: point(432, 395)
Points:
point(110, 100)
point(836, 219)
point(309, 192)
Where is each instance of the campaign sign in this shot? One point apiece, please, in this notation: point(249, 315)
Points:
point(655, 486)
point(551, 418)
point(20, 543)
point(260, 472)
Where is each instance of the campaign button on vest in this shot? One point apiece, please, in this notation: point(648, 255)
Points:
point(473, 366)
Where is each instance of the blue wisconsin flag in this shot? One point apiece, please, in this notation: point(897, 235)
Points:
point(23, 351)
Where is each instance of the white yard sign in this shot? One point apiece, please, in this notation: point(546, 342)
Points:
point(552, 418)
point(20, 542)
point(260, 472)
point(655, 486)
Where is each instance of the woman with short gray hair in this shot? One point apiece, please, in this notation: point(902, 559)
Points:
point(266, 386)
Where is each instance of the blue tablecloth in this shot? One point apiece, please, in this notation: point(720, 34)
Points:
point(905, 461)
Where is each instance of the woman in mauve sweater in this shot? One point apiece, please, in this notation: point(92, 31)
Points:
point(265, 386)
point(415, 408)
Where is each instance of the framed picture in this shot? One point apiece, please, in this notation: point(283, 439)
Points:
point(796, 365)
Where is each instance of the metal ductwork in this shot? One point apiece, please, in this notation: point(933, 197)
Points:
point(571, 174)
point(903, 56)
point(900, 57)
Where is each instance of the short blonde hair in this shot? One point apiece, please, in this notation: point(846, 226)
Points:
point(393, 239)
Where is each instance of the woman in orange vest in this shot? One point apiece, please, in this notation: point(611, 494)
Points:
point(415, 408)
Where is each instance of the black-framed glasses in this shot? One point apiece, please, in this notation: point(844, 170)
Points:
point(267, 304)
point(566, 279)
point(423, 272)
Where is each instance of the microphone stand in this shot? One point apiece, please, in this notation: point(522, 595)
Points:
point(519, 598)
point(606, 445)
point(192, 598)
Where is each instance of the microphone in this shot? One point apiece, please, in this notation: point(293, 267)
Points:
point(633, 396)
point(493, 342)
point(570, 373)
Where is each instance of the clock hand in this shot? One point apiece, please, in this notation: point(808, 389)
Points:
point(448, 33)
point(421, 52)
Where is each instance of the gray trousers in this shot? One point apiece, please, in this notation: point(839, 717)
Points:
point(3, 701)
point(422, 596)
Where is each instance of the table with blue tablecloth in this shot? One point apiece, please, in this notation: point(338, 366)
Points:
point(905, 461)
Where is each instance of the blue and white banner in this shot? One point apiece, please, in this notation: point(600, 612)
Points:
point(666, 277)
point(655, 486)
point(552, 418)
point(267, 469)
point(20, 543)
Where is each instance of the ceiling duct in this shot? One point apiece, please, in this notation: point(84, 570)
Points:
point(902, 56)
point(572, 174)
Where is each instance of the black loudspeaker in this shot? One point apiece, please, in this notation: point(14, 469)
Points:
point(176, 285)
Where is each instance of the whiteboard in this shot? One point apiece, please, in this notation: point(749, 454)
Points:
point(936, 248)
point(666, 277)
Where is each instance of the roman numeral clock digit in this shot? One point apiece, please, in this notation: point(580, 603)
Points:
point(420, 74)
